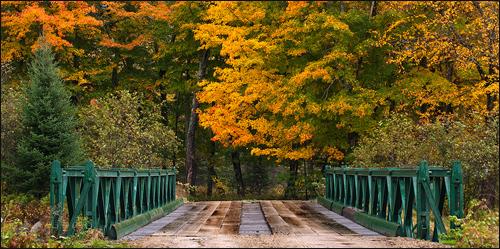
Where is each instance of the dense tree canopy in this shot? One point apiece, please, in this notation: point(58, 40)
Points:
point(284, 82)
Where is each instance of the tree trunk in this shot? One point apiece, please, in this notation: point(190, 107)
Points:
point(76, 58)
point(260, 175)
point(114, 77)
point(176, 128)
point(291, 191)
point(210, 182)
point(352, 138)
point(305, 179)
point(310, 171)
point(114, 73)
point(358, 66)
point(211, 169)
point(449, 77)
point(191, 166)
point(373, 9)
point(490, 101)
point(190, 149)
point(235, 157)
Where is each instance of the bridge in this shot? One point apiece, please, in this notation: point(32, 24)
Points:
point(361, 208)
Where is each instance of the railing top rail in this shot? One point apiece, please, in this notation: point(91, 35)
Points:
point(434, 171)
point(79, 170)
point(114, 169)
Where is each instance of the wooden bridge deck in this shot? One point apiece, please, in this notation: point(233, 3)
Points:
point(243, 224)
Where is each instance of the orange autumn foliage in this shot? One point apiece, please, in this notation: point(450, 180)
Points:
point(56, 20)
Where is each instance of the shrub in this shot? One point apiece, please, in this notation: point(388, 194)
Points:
point(221, 187)
point(11, 129)
point(478, 229)
point(16, 235)
point(400, 142)
point(277, 190)
point(11, 126)
point(124, 129)
point(313, 183)
point(21, 212)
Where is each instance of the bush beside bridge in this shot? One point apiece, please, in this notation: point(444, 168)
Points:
point(26, 224)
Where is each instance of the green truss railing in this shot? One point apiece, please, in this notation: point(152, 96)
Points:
point(110, 198)
point(384, 199)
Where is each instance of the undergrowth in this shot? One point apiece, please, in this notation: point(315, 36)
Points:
point(478, 229)
point(25, 223)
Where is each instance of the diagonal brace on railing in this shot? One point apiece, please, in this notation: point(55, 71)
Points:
point(424, 183)
point(88, 179)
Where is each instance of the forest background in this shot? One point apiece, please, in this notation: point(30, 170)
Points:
point(250, 100)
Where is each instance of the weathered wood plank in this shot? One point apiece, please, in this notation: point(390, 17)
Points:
point(214, 222)
point(276, 223)
point(231, 221)
point(181, 221)
point(194, 225)
point(296, 225)
point(316, 221)
point(253, 220)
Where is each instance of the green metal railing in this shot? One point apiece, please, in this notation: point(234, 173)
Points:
point(109, 197)
point(384, 199)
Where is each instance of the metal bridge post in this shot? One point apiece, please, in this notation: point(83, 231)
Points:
point(335, 188)
point(148, 192)
point(371, 195)
point(116, 195)
point(95, 202)
point(56, 197)
point(364, 189)
point(134, 194)
point(423, 219)
point(174, 185)
point(456, 192)
point(344, 187)
point(158, 190)
point(126, 190)
point(391, 199)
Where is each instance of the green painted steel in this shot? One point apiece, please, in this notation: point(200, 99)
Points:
point(325, 202)
point(393, 195)
point(337, 207)
point(377, 224)
point(106, 196)
point(118, 230)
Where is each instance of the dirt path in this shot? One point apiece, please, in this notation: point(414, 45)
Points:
point(291, 224)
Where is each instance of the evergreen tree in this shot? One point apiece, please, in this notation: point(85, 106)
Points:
point(49, 121)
